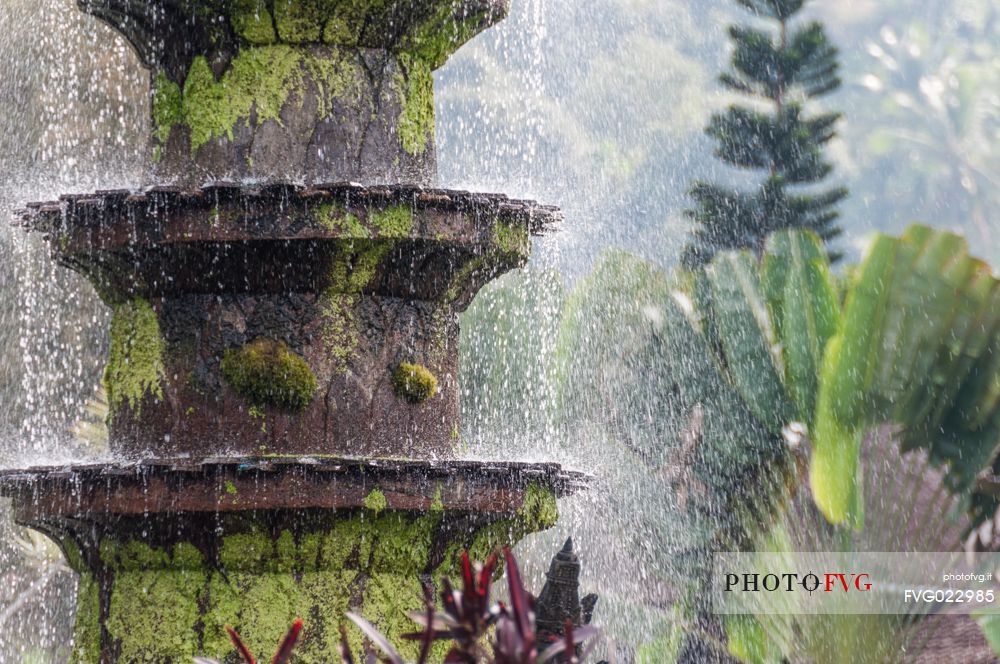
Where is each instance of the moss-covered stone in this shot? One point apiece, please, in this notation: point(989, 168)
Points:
point(538, 512)
point(437, 505)
point(155, 603)
point(511, 238)
point(344, 25)
point(340, 331)
point(376, 501)
point(415, 86)
point(414, 382)
point(258, 83)
point(352, 271)
point(301, 21)
point(269, 373)
point(442, 34)
point(252, 21)
point(167, 109)
point(170, 604)
point(392, 222)
point(87, 632)
point(259, 79)
point(135, 357)
point(333, 217)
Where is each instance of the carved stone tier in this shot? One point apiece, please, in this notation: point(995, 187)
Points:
point(171, 551)
point(287, 320)
point(306, 90)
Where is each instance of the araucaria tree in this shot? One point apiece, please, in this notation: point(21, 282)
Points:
point(779, 68)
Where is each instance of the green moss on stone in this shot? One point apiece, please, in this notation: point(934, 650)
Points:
point(368, 564)
point(339, 77)
point(169, 605)
point(393, 222)
point(252, 21)
point(333, 217)
point(352, 271)
point(460, 280)
point(437, 505)
point(269, 373)
point(357, 266)
point(259, 79)
point(301, 21)
point(167, 107)
point(442, 34)
point(340, 333)
point(154, 609)
point(73, 555)
point(375, 501)
point(87, 632)
point(512, 238)
point(414, 382)
point(415, 86)
point(344, 26)
point(265, 74)
point(135, 357)
point(538, 512)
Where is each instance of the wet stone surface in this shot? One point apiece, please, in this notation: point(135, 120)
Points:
point(355, 281)
point(305, 89)
point(171, 551)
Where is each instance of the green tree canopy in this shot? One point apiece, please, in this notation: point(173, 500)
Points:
point(780, 69)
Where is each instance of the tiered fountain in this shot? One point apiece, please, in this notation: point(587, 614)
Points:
point(284, 346)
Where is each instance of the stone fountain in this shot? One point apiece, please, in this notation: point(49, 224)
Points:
point(284, 345)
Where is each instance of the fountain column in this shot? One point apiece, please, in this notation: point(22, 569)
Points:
point(282, 372)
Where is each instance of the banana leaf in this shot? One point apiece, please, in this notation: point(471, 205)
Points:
point(749, 339)
point(917, 346)
point(765, 325)
point(803, 303)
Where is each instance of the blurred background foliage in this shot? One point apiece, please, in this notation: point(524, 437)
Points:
point(598, 107)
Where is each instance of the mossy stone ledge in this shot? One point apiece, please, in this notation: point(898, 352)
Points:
point(313, 90)
point(256, 543)
point(288, 312)
point(168, 603)
point(283, 357)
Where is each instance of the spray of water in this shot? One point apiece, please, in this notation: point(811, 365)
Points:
point(596, 107)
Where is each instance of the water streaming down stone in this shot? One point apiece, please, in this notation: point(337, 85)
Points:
point(283, 361)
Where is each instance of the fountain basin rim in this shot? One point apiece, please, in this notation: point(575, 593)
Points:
point(226, 484)
point(71, 209)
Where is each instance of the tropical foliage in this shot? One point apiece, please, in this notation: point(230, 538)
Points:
point(919, 346)
point(725, 383)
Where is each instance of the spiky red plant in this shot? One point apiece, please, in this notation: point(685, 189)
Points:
point(283, 656)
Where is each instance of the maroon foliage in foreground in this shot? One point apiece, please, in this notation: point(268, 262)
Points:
point(283, 656)
point(465, 621)
point(467, 617)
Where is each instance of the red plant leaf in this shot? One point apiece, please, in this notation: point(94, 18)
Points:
point(284, 653)
point(519, 601)
point(428, 639)
point(486, 577)
point(241, 647)
point(467, 577)
point(450, 599)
